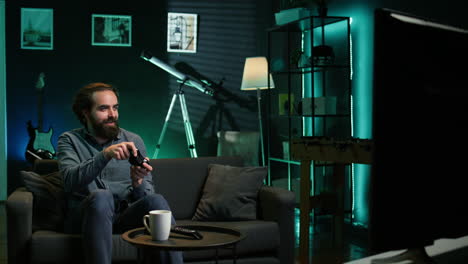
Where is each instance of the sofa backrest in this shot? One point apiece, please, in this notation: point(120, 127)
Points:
point(181, 181)
point(45, 166)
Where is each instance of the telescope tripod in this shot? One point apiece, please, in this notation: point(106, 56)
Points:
point(187, 126)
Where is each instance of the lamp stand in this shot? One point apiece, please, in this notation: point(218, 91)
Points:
point(262, 149)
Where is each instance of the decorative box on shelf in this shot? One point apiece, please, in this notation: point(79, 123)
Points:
point(285, 102)
point(324, 105)
point(289, 15)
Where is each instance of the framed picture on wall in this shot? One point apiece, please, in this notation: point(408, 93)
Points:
point(111, 30)
point(37, 31)
point(182, 32)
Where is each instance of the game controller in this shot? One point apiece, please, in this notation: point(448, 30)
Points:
point(137, 160)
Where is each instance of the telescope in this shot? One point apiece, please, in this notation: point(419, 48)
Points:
point(185, 79)
point(179, 94)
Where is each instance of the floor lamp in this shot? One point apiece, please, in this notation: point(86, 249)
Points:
point(255, 77)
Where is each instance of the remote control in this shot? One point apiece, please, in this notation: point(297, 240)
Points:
point(138, 160)
point(188, 232)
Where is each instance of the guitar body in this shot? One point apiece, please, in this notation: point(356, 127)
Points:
point(43, 140)
point(40, 143)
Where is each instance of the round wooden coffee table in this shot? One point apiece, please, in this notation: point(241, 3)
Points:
point(214, 237)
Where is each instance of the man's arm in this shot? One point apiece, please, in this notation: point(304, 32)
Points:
point(76, 173)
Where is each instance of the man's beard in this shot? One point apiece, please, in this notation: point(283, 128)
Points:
point(105, 131)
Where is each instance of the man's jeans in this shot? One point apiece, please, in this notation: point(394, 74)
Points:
point(96, 220)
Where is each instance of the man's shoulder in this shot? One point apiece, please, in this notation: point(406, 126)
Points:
point(77, 132)
point(128, 135)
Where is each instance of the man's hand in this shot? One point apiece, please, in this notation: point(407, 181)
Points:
point(137, 173)
point(120, 151)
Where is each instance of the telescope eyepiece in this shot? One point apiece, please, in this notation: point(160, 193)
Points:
point(146, 55)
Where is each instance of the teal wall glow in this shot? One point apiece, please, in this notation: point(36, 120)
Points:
point(3, 129)
point(362, 56)
point(362, 35)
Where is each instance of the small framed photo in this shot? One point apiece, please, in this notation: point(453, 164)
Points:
point(182, 32)
point(111, 30)
point(37, 31)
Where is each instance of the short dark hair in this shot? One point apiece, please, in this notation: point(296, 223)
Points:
point(83, 99)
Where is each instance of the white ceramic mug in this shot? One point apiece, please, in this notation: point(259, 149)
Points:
point(159, 225)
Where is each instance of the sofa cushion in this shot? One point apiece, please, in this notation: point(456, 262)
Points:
point(230, 193)
point(48, 202)
point(55, 247)
point(181, 181)
point(45, 166)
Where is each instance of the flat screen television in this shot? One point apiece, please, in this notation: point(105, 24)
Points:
point(420, 132)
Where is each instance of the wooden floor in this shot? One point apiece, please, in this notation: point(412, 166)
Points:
point(3, 239)
point(321, 251)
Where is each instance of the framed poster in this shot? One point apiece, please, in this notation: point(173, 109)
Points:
point(111, 30)
point(37, 30)
point(182, 32)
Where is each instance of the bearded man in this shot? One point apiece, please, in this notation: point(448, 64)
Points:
point(105, 194)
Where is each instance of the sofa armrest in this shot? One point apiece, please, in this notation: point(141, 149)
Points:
point(19, 210)
point(277, 204)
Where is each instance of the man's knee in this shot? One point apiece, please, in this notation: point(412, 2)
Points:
point(156, 202)
point(101, 201)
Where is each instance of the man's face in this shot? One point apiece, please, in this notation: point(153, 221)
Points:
point(102, 120)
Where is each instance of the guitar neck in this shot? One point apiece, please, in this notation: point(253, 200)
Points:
point(40, 83)
point(39, 110)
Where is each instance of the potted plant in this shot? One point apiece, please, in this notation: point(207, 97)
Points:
point(322, 5)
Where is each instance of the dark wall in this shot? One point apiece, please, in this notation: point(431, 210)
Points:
point(228, 32)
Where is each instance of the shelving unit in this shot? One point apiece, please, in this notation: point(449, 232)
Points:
point(307, 74)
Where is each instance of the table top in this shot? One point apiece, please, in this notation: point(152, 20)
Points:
point(213, 237)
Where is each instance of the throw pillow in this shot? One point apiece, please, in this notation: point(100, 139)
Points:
point(230, 193)
point(49, 199)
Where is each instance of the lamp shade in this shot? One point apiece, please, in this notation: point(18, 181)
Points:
point(255, 74)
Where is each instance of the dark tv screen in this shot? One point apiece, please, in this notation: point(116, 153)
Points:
point(420, 132)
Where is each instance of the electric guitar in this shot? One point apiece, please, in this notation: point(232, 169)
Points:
point(40, 143)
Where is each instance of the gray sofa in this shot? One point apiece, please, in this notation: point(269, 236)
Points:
point(270, 237)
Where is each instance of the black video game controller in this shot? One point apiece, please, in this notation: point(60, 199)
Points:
point(138, 160)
